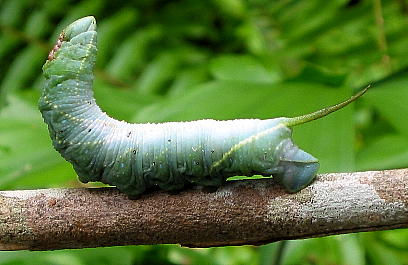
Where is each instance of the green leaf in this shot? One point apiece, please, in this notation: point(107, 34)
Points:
point(12, 12)
point(24, 68)
point(377, 253)
point(188, 79)
point(314, 73)
point(120, 103)
point(386, 152)
point(241, 68)
point(323, 250)
point(158, 73)
point(269, 252)
point(351, 250)
point(233, 8)
point(81, 9)
point(389, 98)
point(26, 151)
point(110, 33)
point(130, 55)
point(396, 239)
point(37, 24)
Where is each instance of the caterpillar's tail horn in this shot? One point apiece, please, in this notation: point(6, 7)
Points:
point(323, 112)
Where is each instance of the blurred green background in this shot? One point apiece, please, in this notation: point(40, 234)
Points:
point(223, 59)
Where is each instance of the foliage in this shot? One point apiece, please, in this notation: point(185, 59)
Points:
point(186, 60)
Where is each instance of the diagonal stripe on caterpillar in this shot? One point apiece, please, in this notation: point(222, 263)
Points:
point(135, 157)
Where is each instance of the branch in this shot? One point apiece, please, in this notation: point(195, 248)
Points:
point(243, 212)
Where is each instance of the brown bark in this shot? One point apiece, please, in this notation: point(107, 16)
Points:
point(242, 212)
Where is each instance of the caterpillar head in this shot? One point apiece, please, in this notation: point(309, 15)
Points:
point(79, 26)
point(297, 168)
point(76, 42)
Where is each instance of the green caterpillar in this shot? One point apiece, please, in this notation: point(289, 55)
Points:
point(135, 157)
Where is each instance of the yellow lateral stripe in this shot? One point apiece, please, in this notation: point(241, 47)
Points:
point(244, 142)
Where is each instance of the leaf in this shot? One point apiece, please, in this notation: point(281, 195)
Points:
point(26, 150)
point(269, 252)
point(314, 73)
point(396, 239)
point(386, 152)
point(233, 8)
point(241, 68)
point(157, 73)
point(73, 12)
point(90, 256)
point(24, 68)
point(188, 79)
point(351, 250)
point(120, 103)
point(312, 251)
point(37, 25)
point(110, 33)
point(131, 54)
point(389, 98)
point(378, 254)
point(12, 12)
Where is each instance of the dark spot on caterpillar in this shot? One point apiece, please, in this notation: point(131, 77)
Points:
point(89, 102)
point(134, 151)
point(56, 47)
point(129, 133)
point(153, 163)
point(212, 151)
point(197, 163)
point(89, 130)
point(169, 140)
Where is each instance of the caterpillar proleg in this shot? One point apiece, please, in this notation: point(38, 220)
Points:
point(135, 157)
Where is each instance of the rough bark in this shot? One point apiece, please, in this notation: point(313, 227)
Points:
point(242, 212)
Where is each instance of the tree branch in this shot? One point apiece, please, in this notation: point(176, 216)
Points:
point(243, 212)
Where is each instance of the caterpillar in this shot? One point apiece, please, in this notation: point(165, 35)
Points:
point(137, 157)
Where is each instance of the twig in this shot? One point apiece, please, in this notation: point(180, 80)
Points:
point(243, 212)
